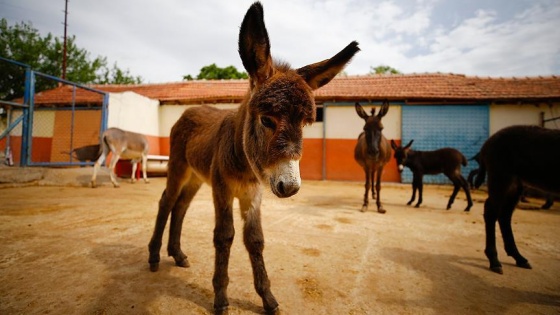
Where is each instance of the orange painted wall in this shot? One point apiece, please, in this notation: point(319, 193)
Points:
point(342, 166)
point(41, 149)
point(86, 132)
point(311, 164)
point(340, 161)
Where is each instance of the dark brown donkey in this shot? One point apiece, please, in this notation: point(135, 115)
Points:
point(239, 152)
point(446, 160)
point(513, 157)
point(372, 152)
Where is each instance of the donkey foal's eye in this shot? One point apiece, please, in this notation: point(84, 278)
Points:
point(268, 122)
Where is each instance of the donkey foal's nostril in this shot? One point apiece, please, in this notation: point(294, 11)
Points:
point(281, 188)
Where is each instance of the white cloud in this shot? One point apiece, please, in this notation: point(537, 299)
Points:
point(164, 40)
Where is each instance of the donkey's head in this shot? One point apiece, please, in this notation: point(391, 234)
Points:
point(373, 127)
point(401, 154)
point(279, 104)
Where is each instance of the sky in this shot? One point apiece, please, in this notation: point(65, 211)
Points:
point(162, 41)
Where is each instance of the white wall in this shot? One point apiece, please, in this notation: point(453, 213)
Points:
point(344, 123)
point(502, 116)
point(169, 114)
point(43, 125)
point(133, 112)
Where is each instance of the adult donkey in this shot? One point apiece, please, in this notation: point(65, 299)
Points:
point(123, 145)
point(372, 152)
point(513, 157)
point(238, 152)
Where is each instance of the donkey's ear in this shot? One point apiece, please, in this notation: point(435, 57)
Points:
point(361, 112)
point(409, 144)
point(254, 45)
point(321, 73)
point(394, 145)
point(384, 109)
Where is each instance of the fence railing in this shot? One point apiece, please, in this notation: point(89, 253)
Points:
point(49, 135)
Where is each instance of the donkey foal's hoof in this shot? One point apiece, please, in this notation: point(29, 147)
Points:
point(223, 310)
point(364, 209)
point(381, 210)
point(154, 267)
point(183, 263)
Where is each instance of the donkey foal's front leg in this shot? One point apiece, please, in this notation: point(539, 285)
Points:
point(223, 238)
point(254, 242)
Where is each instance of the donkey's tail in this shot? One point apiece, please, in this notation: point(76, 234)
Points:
point(463, 160)
point(480, 176)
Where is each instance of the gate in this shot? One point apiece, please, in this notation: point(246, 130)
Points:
point(463, 127)
point(43, 129)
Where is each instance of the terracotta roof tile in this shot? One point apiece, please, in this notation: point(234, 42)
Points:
point(406, 87)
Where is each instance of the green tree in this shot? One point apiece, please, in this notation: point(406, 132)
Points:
point(213, 72)
point(23, 43)
point(382, 69)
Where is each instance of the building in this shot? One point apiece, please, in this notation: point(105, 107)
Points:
point(436, 110)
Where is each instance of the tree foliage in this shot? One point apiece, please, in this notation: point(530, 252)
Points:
point(23, 43)
point(213, 72)
point(383, 69)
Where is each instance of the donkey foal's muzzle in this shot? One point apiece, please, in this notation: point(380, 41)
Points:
point(285, 180)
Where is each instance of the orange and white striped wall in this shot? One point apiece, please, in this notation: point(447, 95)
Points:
point(328, 146)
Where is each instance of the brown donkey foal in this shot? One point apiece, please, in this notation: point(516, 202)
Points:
point(513, 157)
point(239, 152)
point(372, 152)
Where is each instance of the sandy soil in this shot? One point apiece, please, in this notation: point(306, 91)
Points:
point(70, 249)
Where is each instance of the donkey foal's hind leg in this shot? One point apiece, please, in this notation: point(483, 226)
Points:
point(177, 215)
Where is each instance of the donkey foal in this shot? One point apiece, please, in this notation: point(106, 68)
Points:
point(447, 161)
point(237, 152)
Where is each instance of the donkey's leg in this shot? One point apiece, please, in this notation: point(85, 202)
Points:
point(456, 187)
point(177, 177)
point(134, 168)
point(497, 189)
point(372, 179)
point(504, 220)
point(177, 216)
point(467, 190)
point(96, 167)
point(420, 185)
point(254, 242)
point(112, 165)
point(223, 238)
point(549, 202)
point(491, 209)
point(145, 168)
point(378, 189)
point(414, 188)
point(366, 195)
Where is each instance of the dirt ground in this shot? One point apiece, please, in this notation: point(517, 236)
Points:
point(70, 249)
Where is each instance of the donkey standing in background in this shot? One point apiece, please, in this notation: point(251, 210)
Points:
point(123, 145)
point(372, 152)
point(513, 157)
point(447, 161)
point(240, 151)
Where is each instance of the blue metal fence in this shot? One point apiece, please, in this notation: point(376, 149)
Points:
point(28, 110)
point(463, 127)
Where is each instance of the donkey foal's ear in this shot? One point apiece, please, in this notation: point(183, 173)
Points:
point(254, 45)
point(318, 74)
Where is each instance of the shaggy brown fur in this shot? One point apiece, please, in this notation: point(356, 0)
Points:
point(237, 152)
